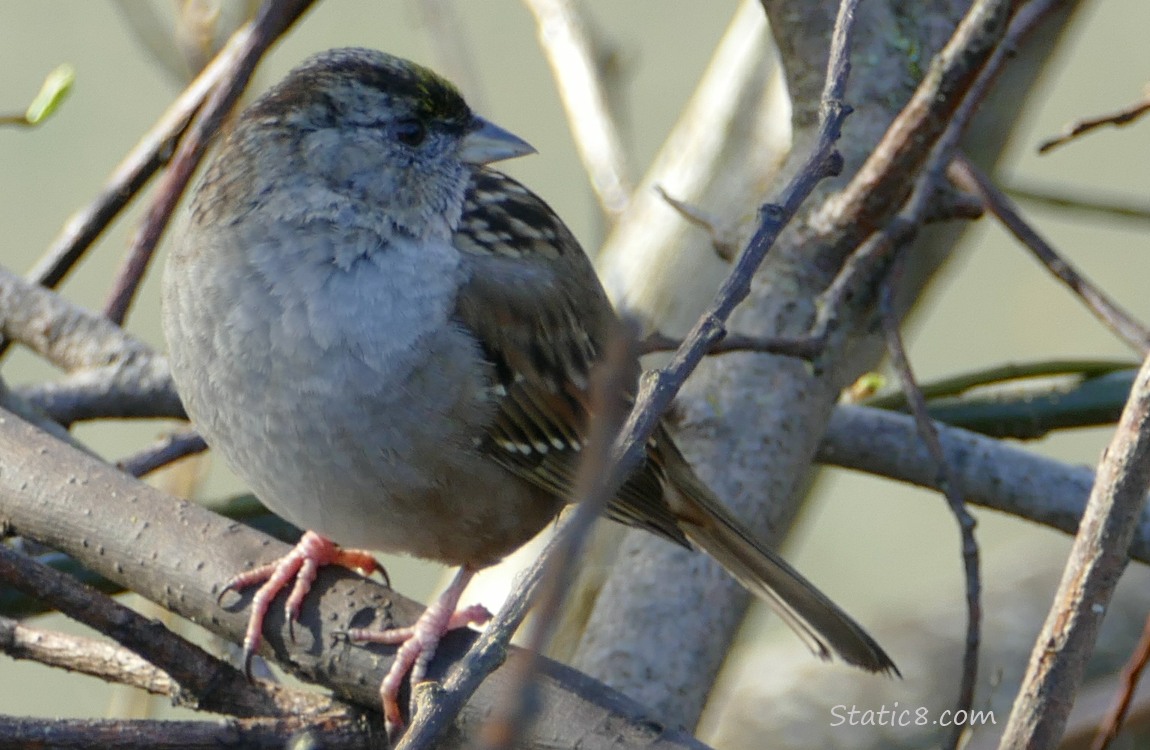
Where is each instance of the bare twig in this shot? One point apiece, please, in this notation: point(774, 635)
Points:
point(274, 18)
point(1128, 683)
point(338, 733)
point(1063, 198)
point(149, 154)
point(85, 655)
point(804, 347)
point(573, 63)
point(1096, 561)
point(992, 473)
point(169, 450)
point(205, 682)
point(723, 240)
point(899, 232)
point(65, 334)
point(1124, 116)
point(451, 39)
point(661, 386)
point(611, 379)
point(1112, 315)
point(548, 579)
point(954, 494)
point(881, 183)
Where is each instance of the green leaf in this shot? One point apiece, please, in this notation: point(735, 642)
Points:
point(55, 89)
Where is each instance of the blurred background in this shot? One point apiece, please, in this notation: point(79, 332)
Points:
point(878, 548)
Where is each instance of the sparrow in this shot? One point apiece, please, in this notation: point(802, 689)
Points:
point(391, 343)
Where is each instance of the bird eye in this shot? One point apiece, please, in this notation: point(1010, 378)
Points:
point(410, 132)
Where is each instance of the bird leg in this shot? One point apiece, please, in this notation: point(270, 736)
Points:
point(418, 642)
point(301, 564)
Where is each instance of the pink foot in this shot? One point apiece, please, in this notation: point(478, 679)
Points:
point(301, 564)
point(418, 642)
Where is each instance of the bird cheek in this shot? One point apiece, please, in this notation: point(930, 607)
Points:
point(343, 162)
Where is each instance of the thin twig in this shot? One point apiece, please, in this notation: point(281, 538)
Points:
point(1124, 116)
point(168, 450)
point(611, 379)
point(149, 154)
point(274, 18)
point(1128, 683)
point(451, 39)
point(1109, 312)
point(1062, 198)
point(953, 492)
point(898, 233)
point(89, 656)
point(206, 682)
point(548, 579)
point(573, 64)
point(330, 733)
point(722, 240)
point(1096, 561)
point(824, 160)
point(881, 184)
point(804, 347)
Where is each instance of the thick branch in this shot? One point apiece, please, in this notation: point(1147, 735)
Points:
point(1096, 561)
point(177, 554)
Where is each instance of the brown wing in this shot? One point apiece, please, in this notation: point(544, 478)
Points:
point(529, 277)
point(540, 315)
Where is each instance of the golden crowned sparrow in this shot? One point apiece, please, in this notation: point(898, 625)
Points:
point(390, 343)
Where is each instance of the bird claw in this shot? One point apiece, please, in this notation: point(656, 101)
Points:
point(417, 643)
point(301, 565)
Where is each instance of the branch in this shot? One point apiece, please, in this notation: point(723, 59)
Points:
point(252, 734)
point(1096, 561)
point(1124, 116)
point(952, 489)
point(65, 334)
point(599, 653)
point(573, 62)
point(84, 655)
point(1109, 312)
point(206, 683)
point(178, 554)
point(881, 184)
point(992, 473)
point(274, 18)
point(1128, 681)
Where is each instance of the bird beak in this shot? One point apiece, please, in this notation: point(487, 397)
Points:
point(488, 142)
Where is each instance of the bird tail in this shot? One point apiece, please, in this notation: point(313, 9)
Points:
point(818, 621)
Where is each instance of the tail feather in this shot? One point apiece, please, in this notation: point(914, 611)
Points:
point(819, 622)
